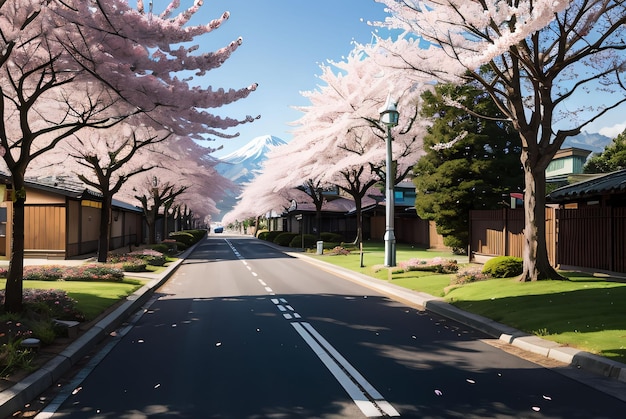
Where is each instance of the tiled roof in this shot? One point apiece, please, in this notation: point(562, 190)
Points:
point(69, 186)
point(610, 183)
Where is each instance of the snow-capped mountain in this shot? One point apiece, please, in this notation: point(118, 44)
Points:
point(241, 166)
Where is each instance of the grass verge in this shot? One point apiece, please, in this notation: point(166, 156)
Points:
point(92, 297)
point(585, 312)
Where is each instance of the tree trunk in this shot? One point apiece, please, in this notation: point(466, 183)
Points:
point(536, 262)
point(104, 239)
point(151, 221)
point(13, 300)
point(359, 219)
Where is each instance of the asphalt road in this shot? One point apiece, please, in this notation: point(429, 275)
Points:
point(242, 330)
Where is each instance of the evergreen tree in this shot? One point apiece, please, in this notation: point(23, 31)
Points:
point(611, 159)
point(470, 162)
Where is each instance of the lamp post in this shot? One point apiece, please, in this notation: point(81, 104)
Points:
point(389, 117)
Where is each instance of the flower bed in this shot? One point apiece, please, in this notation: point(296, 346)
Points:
point(468, 275)
point(87, 272)
point(438, 265)
point(338, 250)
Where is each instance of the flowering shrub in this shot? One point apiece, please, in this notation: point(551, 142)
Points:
point(93, 272)
point(43, 273)
point(468, 275)
point(135, 265)
point(150, 256)
point(438, 265)
point(39, 305)
point(338, 250)
point(52, 304)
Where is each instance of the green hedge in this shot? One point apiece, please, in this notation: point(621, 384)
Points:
point(184, 237)
point(331, 237)
point(503, 267)
point(187, 238)
point(284, 238)
point(309, 241)
point(269, 235)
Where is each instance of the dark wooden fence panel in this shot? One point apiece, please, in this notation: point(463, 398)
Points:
point(585, 237)
point(619, 239)
point(593, 238)
point(501, 232)
point(589, 238)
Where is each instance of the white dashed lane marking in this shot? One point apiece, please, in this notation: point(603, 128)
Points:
point(364, 395)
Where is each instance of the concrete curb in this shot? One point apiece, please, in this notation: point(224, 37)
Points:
point(575, 358)
point(17, 396)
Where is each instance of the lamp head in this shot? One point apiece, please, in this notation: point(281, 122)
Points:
point(389, 114)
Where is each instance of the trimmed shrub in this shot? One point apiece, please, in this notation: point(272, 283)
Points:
point(162, 248)
point(270, 236)
point(309, 241)
point(331, 237)
point(284, 238)
point(503, 267)
point(259, 232)
point(197, 234)
point(135, 265)
point(128, 262)
point(151, 257)
point(263, 235)
point(184, 237)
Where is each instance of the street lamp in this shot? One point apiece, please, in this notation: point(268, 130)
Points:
point(389, 117)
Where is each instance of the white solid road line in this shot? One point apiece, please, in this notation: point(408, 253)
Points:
point(364, 395)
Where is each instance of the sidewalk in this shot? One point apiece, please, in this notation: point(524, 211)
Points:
point(601, 373)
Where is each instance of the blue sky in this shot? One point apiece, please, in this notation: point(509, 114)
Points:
point(284, 41)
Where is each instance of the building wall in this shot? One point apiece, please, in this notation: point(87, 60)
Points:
point(44, 229)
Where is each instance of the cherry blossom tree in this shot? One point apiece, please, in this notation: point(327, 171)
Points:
point(261, 195)
point(340, 136)
point(339, 141)
point(108, 163)
point(152, 197)
point(554, 67)
point(70, 65)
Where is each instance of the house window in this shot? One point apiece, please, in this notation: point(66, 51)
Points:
point(398, 195)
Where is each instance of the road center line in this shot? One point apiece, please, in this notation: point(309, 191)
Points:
point(368, 404)
point(364, 395)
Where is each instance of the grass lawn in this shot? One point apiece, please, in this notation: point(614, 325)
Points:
point(585, 312)
point(92, 297)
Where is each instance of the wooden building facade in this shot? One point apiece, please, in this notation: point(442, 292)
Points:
point(62, 220)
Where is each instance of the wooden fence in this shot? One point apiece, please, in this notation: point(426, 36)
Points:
point(590, 238)
point(501, 232)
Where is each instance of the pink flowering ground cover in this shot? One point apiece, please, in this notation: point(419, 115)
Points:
point(439, 265)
